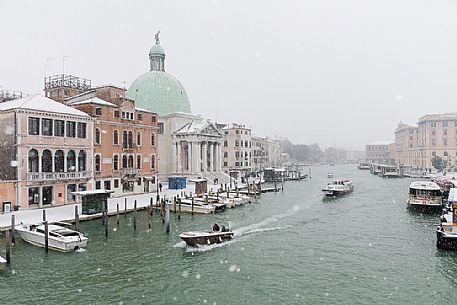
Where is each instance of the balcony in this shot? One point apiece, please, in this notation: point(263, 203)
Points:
point(58, 176)
point(130, 171)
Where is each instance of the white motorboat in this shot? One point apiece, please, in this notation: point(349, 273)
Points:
point(60, 238)
point(364, 165)
point(338, 187)
point(198, 206)
point(201, 238)
point(425, 195)
point(330, 175)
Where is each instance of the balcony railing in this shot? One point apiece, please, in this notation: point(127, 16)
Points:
point(130, 171)
point(58, 176)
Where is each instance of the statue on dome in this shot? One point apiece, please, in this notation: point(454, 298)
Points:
point(157, 37)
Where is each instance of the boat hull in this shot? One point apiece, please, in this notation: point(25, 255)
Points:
point(423, 207)
point(333, 193)
point(446, 241)
point(196, 240)
point(53, 243)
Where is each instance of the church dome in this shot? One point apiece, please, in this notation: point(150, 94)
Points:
point(157, 49)
point(160, 92)
point(157, 90)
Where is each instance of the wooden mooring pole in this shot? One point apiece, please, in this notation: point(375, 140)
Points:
point(46, 237)
point(192, 206)
point(167, 219)
point(44, 215)
point(179, 215)
point(8, 246)
point(76, 218)
point(117, 214)
point(105, 221)
point(125, 208)
point(13, 229)
point(134, 217)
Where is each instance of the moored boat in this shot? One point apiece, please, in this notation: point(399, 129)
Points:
point(60, 238)
point(338, 187)
point(446, 232)
point(364, 165)
point(425, 196)
point(201, 238)
point(199, 207)
point(330, 175)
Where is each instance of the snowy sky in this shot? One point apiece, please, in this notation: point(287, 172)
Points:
point(329, 71)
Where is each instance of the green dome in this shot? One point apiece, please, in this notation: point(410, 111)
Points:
point(159, 92)
point(157, 49)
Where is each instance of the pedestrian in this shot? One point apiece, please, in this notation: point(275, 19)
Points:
point(160, 187)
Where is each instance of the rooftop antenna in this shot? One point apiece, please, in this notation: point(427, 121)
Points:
point(47, 64)
point(124, 82)
point(64, 58)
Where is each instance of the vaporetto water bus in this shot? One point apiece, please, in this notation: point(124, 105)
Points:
point(425, 195)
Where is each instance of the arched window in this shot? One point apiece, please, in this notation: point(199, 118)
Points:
point(82, 161)
point(153, 139)
point(33, 161)
point(46, 161)
point(124, 161)
point(98, 163)
point(71, 161)
point(153, 162)
point(98, 136)
point(116, 137)
point(59, 161)
point(124, 139)
point(116, 162)
point(130, 139)
point(138, 162)
point(130, 161)
point(138, 138)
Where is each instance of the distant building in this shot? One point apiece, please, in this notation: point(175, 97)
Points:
point(434, 136)
point(406, 145)
point(125, 140)
point(381, 152)
point(266, 153)
point(236, 150)
point(47, 152)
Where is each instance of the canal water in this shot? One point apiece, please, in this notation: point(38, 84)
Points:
point(291, 247)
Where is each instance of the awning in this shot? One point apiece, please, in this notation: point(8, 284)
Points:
point(93, 192)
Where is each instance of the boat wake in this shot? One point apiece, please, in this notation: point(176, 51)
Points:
point(209, 247)
point(259, 227)
point(80, 250)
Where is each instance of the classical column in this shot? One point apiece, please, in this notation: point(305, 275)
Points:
point(219, 152)
point(205, 156)
point(195, 157)
point(211, 157)
point(189, 158)
point(174, 158)
point(179, 159)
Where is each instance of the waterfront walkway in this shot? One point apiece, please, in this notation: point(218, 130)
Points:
point(67, 212)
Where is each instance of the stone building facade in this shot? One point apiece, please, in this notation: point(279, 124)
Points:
point(380, 152)
point(434, 136)
point(47, 153)
point(125, 141)
point(236, 150)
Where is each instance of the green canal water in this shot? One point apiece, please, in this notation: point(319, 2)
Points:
point(292, 247)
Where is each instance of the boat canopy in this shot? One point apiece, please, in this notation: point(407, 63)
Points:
point(425, 186)
point(452, 195)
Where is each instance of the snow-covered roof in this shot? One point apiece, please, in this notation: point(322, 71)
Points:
point(197, 127)
point(40, 103)
point(144, 110)
point(425, 185)
point(94, 100)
